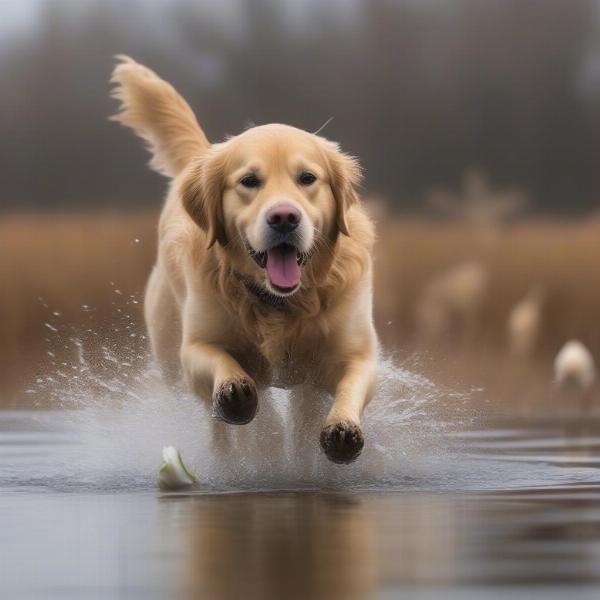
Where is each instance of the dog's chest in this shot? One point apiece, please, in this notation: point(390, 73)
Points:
point(293, 352)
point(295, 368)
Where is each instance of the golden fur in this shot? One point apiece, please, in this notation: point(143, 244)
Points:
point(203, 318)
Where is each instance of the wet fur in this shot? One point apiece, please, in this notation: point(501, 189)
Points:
point(202, 320)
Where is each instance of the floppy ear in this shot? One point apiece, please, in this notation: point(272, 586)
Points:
point(345, 175)
point(201, 191)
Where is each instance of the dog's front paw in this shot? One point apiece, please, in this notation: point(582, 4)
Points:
point(235, 401)
point(342, 442)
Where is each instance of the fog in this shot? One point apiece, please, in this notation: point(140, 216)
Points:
point(420, 91)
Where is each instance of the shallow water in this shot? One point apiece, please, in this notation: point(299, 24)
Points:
point(445, 499)
point(460, 509)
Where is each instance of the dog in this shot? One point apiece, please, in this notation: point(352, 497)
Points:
point(264, 267)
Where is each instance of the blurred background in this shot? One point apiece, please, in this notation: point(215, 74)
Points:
point(477, 123)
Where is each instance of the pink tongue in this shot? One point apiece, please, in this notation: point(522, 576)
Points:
point(282, 267)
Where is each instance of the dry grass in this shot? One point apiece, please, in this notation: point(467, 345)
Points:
point(562, 258)
point(62, 262)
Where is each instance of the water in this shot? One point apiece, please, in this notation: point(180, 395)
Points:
point(445, 501)
point(446, 498)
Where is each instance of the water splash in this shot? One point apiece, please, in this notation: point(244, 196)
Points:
point(120, 415)
point(123, 425)
point(115, 415)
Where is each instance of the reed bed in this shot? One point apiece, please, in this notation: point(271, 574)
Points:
point(79, 268)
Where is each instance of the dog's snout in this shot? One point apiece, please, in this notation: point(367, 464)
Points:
point(283, 218)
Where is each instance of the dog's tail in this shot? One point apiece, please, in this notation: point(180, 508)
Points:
point(159, 115)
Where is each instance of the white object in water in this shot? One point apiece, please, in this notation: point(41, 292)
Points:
point(173, 474)
point(574, 365)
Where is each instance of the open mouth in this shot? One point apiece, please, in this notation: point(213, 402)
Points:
point(283, 264)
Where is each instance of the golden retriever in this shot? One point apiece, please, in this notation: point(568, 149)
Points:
point(264, 271)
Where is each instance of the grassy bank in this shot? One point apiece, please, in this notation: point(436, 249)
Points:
point(80, 270)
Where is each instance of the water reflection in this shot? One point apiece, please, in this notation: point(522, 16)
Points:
point(544, 537)
point(345, 546)
point(275, 545)
point(517, 513)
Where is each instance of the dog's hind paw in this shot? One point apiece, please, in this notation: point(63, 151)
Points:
point(235, 401)
point(342, 442)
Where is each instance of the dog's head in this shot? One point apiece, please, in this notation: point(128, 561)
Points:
point(273, 197)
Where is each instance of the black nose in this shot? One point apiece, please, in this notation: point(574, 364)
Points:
point(284, 218)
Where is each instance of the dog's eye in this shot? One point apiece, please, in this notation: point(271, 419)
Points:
point(306, 178)
point(250, 181)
